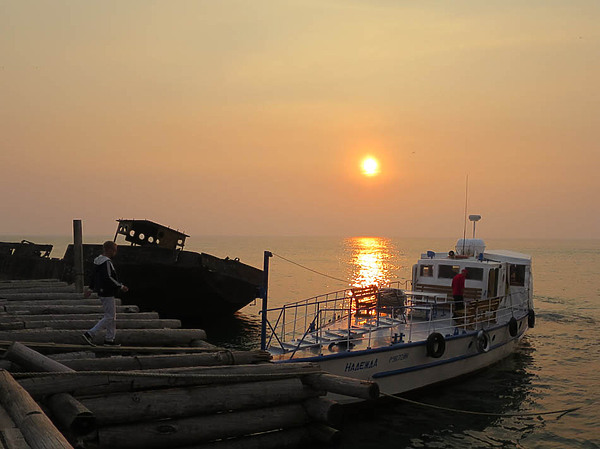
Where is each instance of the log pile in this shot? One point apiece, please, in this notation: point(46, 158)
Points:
point(159, 390)
point(51, 311)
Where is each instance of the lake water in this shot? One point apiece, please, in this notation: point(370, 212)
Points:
point(557, 365)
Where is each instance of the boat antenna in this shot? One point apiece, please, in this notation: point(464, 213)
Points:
point(466, 202)
point(474, 219)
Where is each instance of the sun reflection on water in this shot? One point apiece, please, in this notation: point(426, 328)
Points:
point(371, 260)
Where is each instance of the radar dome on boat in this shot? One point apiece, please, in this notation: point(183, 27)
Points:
point(470, 247)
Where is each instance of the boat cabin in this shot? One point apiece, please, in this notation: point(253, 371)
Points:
point(149, 233)
point(490, 274)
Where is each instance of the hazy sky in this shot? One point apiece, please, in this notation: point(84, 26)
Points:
point(252, 117)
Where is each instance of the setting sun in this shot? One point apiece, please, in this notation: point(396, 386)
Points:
point(370, 166)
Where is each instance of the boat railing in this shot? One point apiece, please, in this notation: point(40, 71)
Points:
point(335, 318)
point(288, 322)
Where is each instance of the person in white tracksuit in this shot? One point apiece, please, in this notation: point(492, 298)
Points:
point(106, 283)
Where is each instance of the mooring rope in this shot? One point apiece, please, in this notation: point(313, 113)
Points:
point(345, 281)
point(562, 412)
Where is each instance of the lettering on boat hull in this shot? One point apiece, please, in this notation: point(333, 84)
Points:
point(398, 357)
point(358, 366)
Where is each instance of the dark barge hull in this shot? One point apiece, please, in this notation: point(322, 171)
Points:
point(26, 260)
point(177, 284)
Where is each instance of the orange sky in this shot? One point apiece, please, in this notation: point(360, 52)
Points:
point(253, 117)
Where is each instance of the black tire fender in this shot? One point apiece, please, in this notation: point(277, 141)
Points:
point(513, 327)
point(483, 341)
point(531, 318)
point(436, 345)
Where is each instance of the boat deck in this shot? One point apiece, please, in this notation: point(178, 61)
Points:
point(348, 329)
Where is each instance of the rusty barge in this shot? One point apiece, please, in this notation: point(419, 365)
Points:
point(160, 274)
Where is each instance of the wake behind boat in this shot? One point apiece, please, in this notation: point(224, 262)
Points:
point(406, 339)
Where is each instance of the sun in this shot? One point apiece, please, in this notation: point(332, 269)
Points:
point(370, 166)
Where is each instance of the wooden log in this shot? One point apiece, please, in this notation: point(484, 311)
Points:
point(58, 288)
point(56, 302)
point(31, 283)
point(47, 310)
point(129, 337)
point(183, 402)
point(33, 360)
point(69, 412)
point(72, 355)
point(178, 432)
point(325, 434)
point(38, 430)
point(324, 410)
point(13, 439)
point(88, 324)
point(12, 326)
point(81, 384)
point(78, 316)
point(343, 385)
point(10, 435)
point(18, 297)
point(167, 361)
point(8, 365)
point(49, 348)
point(295, 438)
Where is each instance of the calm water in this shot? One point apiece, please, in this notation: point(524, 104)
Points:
point(557, 365)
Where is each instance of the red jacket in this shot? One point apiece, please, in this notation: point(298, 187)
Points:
point(458, 284)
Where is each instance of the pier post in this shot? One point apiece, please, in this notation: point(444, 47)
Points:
point(78, 256)
point(264, 292)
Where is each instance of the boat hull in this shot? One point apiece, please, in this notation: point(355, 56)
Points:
point(193, 287)
point(405, 367)
point(27, 260)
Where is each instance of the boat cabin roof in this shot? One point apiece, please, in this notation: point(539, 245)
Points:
point(502, 255)
point(149, 233)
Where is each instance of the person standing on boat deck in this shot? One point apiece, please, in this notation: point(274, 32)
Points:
point(458, 290)
point(106, 283)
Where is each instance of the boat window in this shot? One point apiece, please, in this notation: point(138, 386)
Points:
point(475, 274)
point(426, 270)
point(517, 275)
point(448, 271)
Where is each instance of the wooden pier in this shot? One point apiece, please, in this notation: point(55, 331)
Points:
point(164, 387)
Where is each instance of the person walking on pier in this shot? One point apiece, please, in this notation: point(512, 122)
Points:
point(106, 283)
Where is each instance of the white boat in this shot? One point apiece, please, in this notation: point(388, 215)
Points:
point(406, 339)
